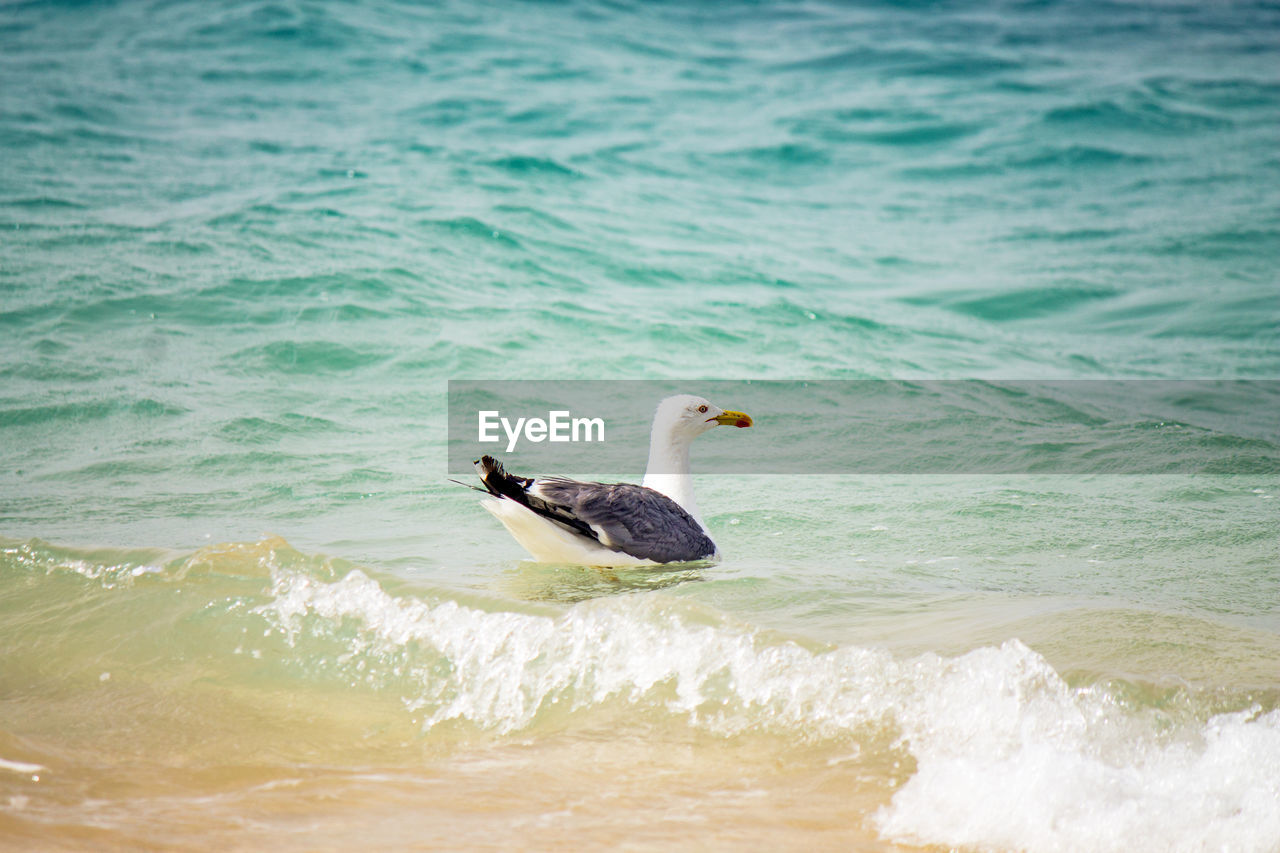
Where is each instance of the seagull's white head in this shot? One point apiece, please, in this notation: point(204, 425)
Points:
point(684, 417)
point(678, 421)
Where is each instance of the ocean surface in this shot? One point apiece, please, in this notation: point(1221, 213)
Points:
point(244, 247)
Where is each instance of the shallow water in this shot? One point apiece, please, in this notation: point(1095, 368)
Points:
point(246, 245)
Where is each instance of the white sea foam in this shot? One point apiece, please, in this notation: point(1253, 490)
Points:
point(1008, 756)
point(23, 767)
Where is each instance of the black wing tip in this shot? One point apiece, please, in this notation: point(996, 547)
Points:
point(499, 482)
point(491, 473)
point(467, 485)
point(487, 464)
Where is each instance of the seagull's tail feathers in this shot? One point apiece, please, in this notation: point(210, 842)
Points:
point(523, 490)
point(501, 484)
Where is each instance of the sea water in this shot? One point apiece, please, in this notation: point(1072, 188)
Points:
point(244, 246)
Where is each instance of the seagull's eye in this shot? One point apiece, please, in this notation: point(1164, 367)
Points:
point(702, 409)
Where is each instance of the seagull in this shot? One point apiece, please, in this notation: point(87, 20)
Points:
point(559, 520)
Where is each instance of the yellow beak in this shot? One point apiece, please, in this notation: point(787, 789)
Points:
point(738, 419)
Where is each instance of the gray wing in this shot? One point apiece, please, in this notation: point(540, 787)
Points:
point(641, 522)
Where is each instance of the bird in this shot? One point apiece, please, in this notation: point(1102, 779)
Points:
point(559, 520)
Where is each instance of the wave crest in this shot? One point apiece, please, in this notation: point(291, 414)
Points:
point(1007, 753)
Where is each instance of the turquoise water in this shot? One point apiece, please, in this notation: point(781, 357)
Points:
point(244, 246)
